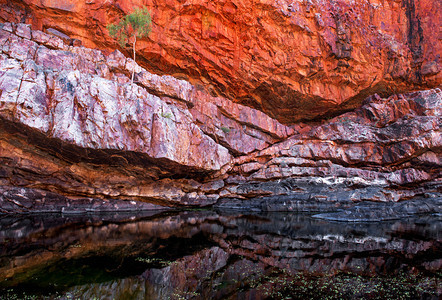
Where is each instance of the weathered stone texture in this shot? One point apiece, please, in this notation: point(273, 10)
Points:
point(81, 108)
point(73, 123)
point(291, 59)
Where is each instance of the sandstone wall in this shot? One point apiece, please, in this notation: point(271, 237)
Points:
point(294, 60)
point(72, 123)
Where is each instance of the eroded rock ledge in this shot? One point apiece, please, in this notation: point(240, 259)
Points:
point(73, 124)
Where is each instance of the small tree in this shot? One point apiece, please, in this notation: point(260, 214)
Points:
point(130, 27)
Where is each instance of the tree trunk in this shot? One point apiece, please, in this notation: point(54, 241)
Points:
point(133, 70)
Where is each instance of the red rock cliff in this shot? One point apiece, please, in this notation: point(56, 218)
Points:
point(72, 122)
point(207, 121)
point(291, 59)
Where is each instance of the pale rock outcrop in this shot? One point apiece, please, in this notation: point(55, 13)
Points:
point(82, 99)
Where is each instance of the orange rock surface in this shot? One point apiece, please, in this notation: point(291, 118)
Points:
point(215, 116)
point(293, 60)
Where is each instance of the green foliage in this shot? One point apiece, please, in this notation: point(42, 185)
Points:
point(135, 25)
point(166, 115)
point(225, 129)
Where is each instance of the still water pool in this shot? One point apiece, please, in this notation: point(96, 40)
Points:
point(218, 255)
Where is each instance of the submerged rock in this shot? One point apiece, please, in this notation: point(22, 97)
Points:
point(374, 212)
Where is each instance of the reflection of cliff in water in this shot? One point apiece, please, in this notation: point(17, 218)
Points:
point(205, 253)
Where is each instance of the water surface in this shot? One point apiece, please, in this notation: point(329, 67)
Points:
point(217, 255)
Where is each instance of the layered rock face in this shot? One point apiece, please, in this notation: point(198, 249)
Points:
point(292, 60)
point(73, 127)
point(387, 142)
point(71, 112)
